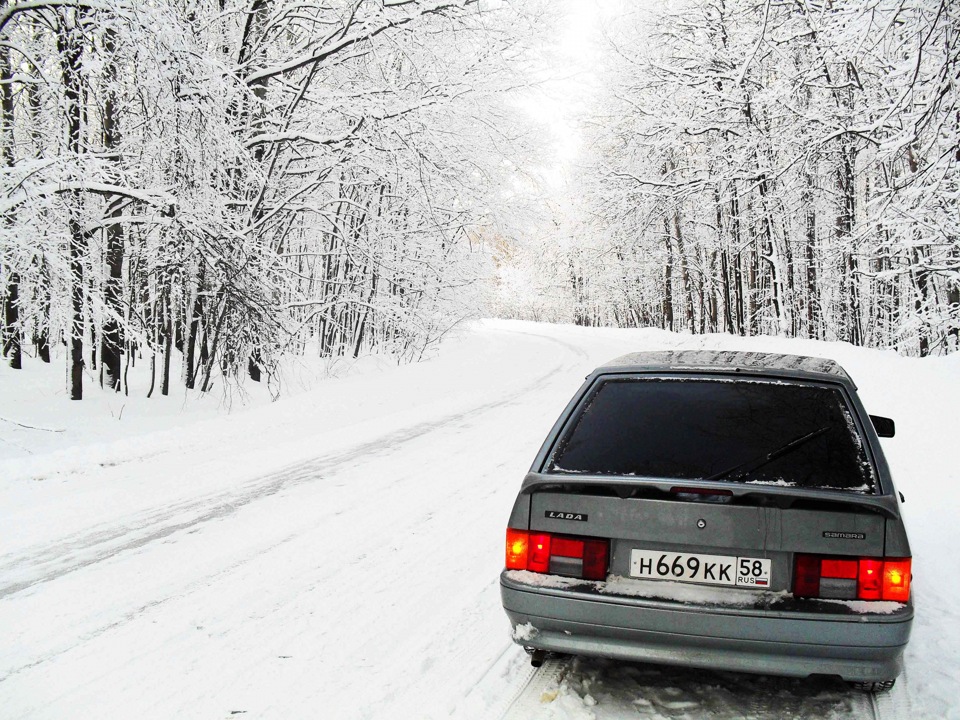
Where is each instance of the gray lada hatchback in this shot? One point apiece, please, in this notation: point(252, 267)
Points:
point(714, 509)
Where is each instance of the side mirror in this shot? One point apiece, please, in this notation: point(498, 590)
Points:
point(885, 427)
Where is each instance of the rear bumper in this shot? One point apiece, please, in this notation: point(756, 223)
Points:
point(856, 647)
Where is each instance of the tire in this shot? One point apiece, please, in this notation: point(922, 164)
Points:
point(873, 686)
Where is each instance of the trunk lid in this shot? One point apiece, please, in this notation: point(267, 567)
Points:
point(669, 527)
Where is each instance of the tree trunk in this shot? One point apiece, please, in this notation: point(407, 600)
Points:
point(153, 373)
point(721, 252)
point(684, 274)
point(753, 320)
point(358, 341)
point(953, 305)
point(70, 48)
point(253, 365)
point(256, 18)
point(167, 319)
point(790, 291)
point(211, 349)
point(41, 326)
point(12, 335)
point(810, 249)
point(924, 298)
point(727, 316)
point(853, 302)
point(196, 313)
point(668, 277)
point(712, 310)
point(112, 339)
point(769, 252)
point(32, 104)
point(848, 325)
point(11, 322)
point(738, 264)
point(78, 247)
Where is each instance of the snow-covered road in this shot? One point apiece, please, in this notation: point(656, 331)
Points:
point(336, 554)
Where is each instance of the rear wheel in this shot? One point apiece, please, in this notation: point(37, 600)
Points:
point(874, 686)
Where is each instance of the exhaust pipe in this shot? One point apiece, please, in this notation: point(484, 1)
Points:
point(537, 657)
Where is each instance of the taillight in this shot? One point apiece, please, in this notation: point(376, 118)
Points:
point(896, 579)
point(518, 544)
point(842, 569)
point(852, 578)
point(806, 576)
point(869, 578)
point(595, 559)
point(540, 552)
point(539, 558)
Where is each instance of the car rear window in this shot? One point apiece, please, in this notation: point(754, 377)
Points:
point(765, 432)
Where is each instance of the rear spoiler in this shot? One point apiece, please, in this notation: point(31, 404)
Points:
point(783, 497)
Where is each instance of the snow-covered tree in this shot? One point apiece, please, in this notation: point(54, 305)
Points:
point(778, 167)
point(230, 180)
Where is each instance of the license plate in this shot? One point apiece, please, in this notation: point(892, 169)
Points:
point(695, 568)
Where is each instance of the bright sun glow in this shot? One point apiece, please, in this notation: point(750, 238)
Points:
point(571, 78)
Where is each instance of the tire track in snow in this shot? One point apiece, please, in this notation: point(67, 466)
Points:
point(54, 647)
point(331, 575)
point(82, 550)
point(531, 694)
point(633, 690)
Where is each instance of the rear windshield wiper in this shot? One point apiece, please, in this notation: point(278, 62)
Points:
point(751, 465)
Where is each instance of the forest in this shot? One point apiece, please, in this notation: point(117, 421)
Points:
point(211, 186)
point(777, 167)
point(226, 182)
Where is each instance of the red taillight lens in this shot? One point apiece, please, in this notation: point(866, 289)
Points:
point(835, 568)
point(539, 558)
point(806, 576)
point(532, 551)
point(869, 579)
point(566, 547)
point(876, 578)
point(896, 579)
point(595, 556)
point(518, 543)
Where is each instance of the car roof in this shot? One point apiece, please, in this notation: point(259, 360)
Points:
point(726, 361)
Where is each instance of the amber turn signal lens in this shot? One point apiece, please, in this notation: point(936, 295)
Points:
point(896, 579)
point(518, 545)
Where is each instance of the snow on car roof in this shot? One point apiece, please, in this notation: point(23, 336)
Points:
point(713, 360)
